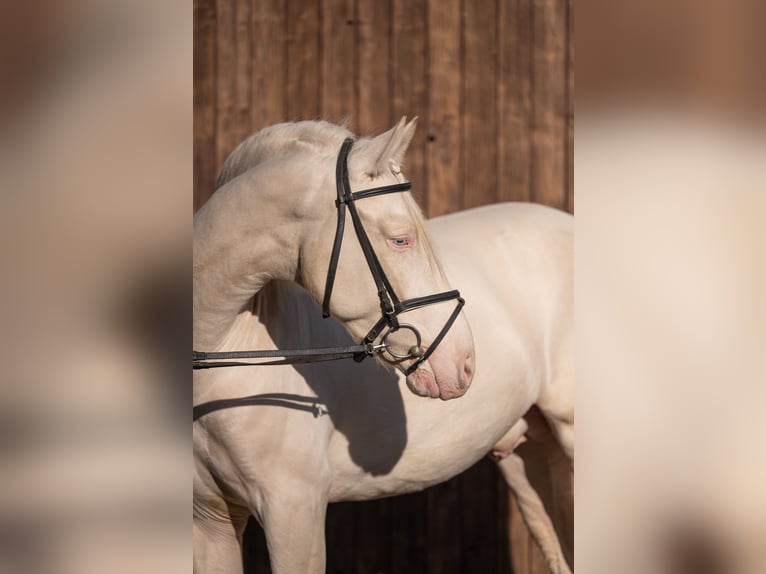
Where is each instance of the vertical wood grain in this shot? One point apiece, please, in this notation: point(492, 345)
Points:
point(338, 94)
point(225, 65)
point(269, 63)
point(409, 83)
point(514, 112)
point(233, 82)
point(443, 125)
point(374, 536)
point(340, 538)
point(479, 145)
point(409, 545)
point(549, 96)
point(303, 59)
point(242, 72)
point(204, 100)
point(373, 73)
point(478, 506)
point(444, 532)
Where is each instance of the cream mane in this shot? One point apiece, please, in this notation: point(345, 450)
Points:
point(320, 137)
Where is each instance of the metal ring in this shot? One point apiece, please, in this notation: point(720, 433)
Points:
point(409, 355)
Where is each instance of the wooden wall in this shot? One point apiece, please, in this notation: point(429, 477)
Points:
point(490, 80)
point(492, 84)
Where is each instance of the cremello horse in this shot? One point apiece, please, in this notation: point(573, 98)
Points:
point(300, 437)
point(272, 225)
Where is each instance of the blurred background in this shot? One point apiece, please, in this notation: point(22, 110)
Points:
point(670, 277)
point(491, 83)
point(96, 169)
point(95, 194)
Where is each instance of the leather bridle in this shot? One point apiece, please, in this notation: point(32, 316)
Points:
point(390, 304)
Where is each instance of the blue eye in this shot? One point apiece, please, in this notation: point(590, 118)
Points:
point(401, 241)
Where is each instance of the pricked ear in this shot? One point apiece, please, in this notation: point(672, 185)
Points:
point(384, 152)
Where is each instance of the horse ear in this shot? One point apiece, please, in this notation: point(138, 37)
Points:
point(381, 153)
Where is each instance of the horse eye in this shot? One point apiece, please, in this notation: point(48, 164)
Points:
point(401, 241)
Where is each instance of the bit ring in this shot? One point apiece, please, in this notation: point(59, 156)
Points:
point(414, 352)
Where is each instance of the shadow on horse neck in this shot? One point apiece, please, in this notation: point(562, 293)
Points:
point(363, 400)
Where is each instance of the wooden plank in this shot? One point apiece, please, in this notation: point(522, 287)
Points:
point(570, 107)
point(269, 63)
point(550, 106)
point(514, 110)
point(478, 507)
point(338, 94)
point(303, 58)
point(409, 84)
point(373, 72)
point(409, 550)
point(515, 101)
point(339, 536)
point(373, 536)
point(224, 81)
point(445, 541)
point(243, 57)
point(479, 143)
point(204, 100)
point(442, 130)
point(233, 76)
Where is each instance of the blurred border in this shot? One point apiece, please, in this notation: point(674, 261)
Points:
point(670, 165)
point(96, 175)
point(95, 166)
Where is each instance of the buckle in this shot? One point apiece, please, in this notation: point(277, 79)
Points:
point(371, 349)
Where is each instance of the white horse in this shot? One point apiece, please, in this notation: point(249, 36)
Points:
point(274, 224)
point(298, 437)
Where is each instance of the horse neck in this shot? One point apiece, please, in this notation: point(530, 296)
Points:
point(253, 325)
point(244, 237)
point(269, 320)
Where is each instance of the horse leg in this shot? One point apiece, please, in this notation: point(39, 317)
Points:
point(294, 526)
point(534, 513)
point(539, 473)
point(217, 542)
point(556, 403)
point(562, 427)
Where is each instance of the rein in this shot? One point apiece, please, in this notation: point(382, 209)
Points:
point(391, 306)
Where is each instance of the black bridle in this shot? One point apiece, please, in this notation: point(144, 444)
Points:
point(391, 306)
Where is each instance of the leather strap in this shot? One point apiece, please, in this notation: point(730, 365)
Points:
point(200, 360)
point(340, 226)
point(439, 337)
point(390, 304)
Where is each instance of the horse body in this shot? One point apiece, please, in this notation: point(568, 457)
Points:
point(518, 287)
point(274, 224)
point(346, 431)
point(281, 442)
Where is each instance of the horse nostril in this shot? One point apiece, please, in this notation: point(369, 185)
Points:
point(468, 370)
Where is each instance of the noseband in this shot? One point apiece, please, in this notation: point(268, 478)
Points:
point(390, 304)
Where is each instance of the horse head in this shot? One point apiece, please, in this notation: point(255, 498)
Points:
point(391, 262)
